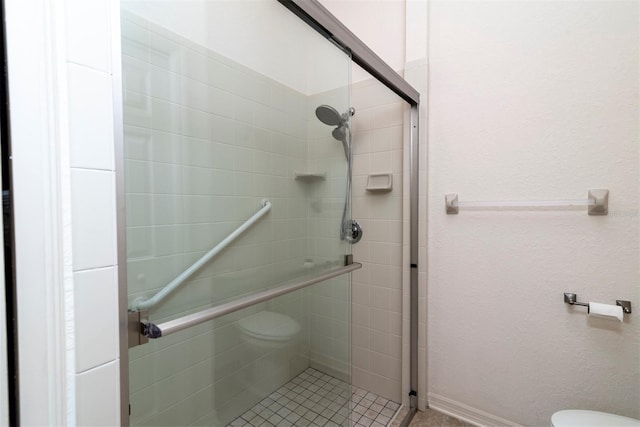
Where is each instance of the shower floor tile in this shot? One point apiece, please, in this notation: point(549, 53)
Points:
point(316, 399)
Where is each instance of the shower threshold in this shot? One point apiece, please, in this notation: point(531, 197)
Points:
point(317, 399)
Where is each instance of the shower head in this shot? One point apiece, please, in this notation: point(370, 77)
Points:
point(339, 133)
point(328, 115)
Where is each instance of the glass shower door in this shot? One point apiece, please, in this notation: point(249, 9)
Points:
point(236, 186)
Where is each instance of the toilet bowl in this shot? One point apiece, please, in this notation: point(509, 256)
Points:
point(267, 330)
point(582, 418)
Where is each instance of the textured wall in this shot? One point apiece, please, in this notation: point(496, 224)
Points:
point(533, 100)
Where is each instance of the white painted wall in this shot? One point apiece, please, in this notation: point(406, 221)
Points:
point(532, 100)
point(525, 97)
point(265, 35)
point(379, 24)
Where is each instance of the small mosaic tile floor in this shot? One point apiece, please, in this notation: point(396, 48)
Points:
point(316, 399)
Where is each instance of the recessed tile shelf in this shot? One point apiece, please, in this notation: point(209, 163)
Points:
point(309, 176)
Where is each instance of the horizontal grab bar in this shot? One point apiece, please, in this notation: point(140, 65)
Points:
point(152, 330)
point(597, 203)
point(147, 303)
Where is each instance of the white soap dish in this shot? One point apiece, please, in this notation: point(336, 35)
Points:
point(380, 183)
point(309, 176)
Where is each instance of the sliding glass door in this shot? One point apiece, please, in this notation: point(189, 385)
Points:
point(237, 145)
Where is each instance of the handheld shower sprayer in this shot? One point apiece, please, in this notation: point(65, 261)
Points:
point(330, 116)
point(350, 230)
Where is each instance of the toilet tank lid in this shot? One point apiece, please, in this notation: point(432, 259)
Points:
point(269, 324)
point(583, 418)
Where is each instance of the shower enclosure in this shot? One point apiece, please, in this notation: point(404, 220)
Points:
point(236, 202)
point(237, 159)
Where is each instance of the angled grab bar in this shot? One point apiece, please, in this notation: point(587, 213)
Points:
point(147, 303)
point(151, 330)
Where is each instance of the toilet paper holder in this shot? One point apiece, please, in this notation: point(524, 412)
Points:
point(571, 298)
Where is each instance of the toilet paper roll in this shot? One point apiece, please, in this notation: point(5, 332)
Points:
point(607, 311)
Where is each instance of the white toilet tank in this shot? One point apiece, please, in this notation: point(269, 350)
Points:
point(582, 418)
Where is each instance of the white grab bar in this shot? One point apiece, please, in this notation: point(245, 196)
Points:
point(146, 303)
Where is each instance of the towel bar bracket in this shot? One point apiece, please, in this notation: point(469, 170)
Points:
point(626, 306)
point(601, 202)
point(451, 203)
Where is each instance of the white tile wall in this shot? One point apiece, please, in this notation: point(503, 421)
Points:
point(202, 150)
point(93, 218)
point(377, 287)
point(89, 33)
point(258, 116)
point(96, 396)
point(96, 318)
point(89, 28)
point(90, 118)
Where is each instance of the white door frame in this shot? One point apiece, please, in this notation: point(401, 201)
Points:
point(4, 368)
point(35, 40)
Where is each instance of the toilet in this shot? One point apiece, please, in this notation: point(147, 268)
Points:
point(583, 418)
point(267, 330)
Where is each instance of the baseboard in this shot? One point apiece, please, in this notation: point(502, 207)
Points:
point(466, 413)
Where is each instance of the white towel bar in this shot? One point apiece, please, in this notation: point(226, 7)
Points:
point(597, 202)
